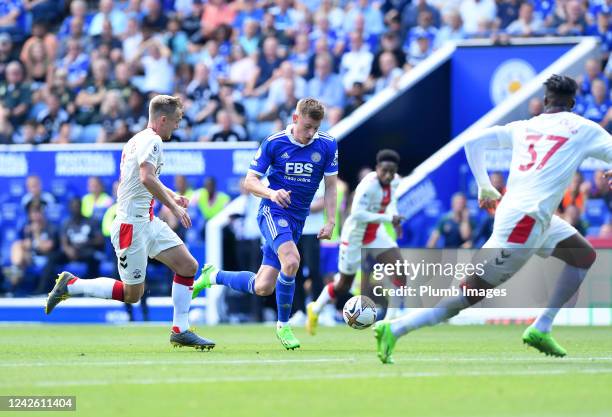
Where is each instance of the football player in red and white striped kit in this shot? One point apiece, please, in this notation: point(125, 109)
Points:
point(374, 203)
point(137, 234)
point(547, 150)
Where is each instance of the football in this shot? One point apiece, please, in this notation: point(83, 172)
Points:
point(359, 312)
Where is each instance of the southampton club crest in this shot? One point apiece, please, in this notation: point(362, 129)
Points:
point(315, 157)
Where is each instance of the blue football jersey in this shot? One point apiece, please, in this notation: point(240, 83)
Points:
point(295, 167)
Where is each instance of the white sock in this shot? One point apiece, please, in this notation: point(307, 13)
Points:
point(324, 298)
point(545, 320)
point(568, 284)
point(181, 300)
point(422, 317)
point(392, 313)
point(213, 277)
point(280, 324)
point(98, 287)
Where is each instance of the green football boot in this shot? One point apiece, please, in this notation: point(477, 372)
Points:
point(385, 341)
point(287, 338)
point(543, 342)
point(204, 280)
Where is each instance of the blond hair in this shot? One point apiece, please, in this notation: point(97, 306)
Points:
point(163, 105)
point(311, 107)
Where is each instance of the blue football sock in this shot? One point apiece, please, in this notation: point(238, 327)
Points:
point(243, 281)
point(285, 287)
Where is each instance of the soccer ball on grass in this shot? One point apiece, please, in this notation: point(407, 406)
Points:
point(359, 312)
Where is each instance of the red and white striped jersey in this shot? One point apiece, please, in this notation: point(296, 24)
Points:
point(134, 201)
point(546, 152)
point(372, 205)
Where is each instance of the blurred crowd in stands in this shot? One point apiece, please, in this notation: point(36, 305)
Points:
point(83, 71)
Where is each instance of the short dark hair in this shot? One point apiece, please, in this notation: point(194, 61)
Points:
point(387, 155)
point(560, 89)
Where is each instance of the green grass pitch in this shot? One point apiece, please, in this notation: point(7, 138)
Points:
point(442, 371)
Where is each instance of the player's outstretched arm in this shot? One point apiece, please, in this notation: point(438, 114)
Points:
point(475, 147)
point(161, 194)
point(330, 200)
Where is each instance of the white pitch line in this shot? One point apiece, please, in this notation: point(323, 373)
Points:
point(202, 361)
point(205, 362)
point(306, 377)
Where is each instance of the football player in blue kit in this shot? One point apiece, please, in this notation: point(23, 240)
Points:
point(295, 161)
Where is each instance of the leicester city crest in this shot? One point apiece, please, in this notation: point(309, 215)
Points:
point(316, 157)
point(283, 223)
point(509, 77)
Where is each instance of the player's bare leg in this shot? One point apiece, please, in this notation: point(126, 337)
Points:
point(184, 266)
point(578, 255)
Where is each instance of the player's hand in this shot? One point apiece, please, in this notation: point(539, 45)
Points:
point(326, 231)
point(281, 197)
point(182, 201)
point(488, 197)
point(181, 214)
point(608, 175)
point(397, 220)
point(397, 225)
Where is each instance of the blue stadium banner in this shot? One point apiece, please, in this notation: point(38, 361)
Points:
point(483, 76)
point(64, 169)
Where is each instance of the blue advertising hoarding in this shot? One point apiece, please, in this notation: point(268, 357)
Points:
point(482, 76)
point(64, 170)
